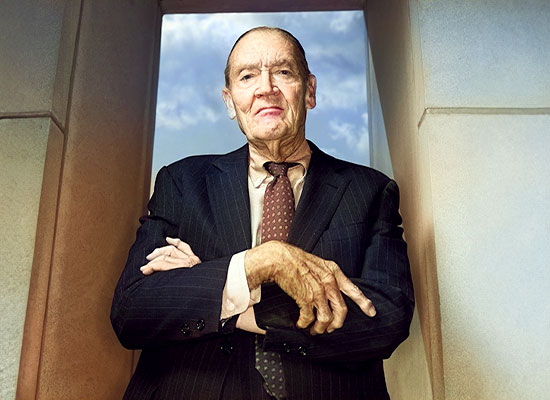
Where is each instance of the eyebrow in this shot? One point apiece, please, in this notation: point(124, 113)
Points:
point(277, 63)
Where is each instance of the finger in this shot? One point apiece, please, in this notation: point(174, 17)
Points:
point(157, 252)
point(165, 263)
point(156, 266)
point(306, 315)
point(335, 299)
point(355, 294)
point(178, 262)
point(339, 309)
point(146, 269)
point(182, 246)
point(324, 314)
point(165, 250)
point(352, 291)
point(305, 303)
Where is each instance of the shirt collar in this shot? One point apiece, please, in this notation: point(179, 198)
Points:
point(257, 172)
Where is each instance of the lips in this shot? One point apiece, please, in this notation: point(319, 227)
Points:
point(268, 110)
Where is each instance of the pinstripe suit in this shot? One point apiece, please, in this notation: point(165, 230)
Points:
point(347, 213)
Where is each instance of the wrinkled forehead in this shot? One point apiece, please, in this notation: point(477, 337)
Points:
point(260, 47)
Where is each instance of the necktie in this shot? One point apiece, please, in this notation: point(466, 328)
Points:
point(277, 217)
point(278, 203)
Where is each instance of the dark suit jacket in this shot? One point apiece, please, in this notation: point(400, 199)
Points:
point(347, 213)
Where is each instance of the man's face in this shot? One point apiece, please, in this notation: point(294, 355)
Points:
point(268, 95)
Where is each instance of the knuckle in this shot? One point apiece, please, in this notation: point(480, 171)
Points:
point(338, 324)
point(318, 329)
point(324, 318)
point(344, 310)
point(318, 291)
point(308, 299)
point(330, 279)
point(332, 265)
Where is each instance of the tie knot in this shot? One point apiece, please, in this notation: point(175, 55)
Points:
point(278, 169)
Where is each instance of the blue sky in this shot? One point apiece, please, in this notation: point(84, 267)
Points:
point(191, 117)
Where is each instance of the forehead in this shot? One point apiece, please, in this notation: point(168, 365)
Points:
point(263, 47)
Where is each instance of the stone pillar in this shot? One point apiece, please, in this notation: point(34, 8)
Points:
point(465, 96)
point(77, 98)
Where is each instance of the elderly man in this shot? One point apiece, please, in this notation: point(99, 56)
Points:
point(274, 271)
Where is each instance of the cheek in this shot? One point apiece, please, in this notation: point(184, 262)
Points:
point(242, 102)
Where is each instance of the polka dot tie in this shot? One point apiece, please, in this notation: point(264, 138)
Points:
point(276, 220)
point(278, 203)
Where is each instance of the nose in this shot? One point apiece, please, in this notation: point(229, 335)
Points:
point(266, 85)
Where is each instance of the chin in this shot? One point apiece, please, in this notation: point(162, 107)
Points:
point(270, 134)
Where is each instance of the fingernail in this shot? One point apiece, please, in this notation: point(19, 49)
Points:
point(330, 330)
point(372, 311)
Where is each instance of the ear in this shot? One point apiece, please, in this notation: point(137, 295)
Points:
point(311, 90)
point(228, 100)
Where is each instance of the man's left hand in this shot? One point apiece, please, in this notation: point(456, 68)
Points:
point(177, 254)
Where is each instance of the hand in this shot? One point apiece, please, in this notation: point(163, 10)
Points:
point(311, 281)
point(177, 254)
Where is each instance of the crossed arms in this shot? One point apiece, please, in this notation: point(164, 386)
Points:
point(314, 283)
point(150, 308)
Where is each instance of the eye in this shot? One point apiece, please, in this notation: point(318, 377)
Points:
point(246, 77)
point(284, 72)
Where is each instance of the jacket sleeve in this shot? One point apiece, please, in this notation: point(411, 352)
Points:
point(175, 305)
point(385, 279)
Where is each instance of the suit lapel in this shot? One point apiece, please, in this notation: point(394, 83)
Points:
point(227, 185)
point(321, 196)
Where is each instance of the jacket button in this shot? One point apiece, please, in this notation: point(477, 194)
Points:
point(200, 324)
point(185, 331)
point(302, 350)
point(286, 348)
point(226, 348)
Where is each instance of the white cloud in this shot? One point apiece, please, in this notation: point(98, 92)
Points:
point(342, 22)
point(338, 90)
point(174, 116)
point(355, 136)
point(181, 106)
point(212, 30)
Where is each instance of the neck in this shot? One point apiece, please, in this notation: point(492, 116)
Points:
point(277, 150)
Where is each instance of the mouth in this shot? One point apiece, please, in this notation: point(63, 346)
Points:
point(270, 110)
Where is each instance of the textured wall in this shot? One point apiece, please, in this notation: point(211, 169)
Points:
point(30, 144)
point(411, 368)
point(466, 103)
point(485, 54)
point(485, 135)
point(77, 98)
point(491, 184)
point(23, 144)
point(105, 172)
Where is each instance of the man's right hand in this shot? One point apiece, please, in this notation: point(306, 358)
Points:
point(311, 281)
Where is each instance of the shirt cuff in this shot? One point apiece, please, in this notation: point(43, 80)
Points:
point(236, 295)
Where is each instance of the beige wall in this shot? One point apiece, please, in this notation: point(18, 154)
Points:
point(77, 97)
point(464, 89)
point(24, 149)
